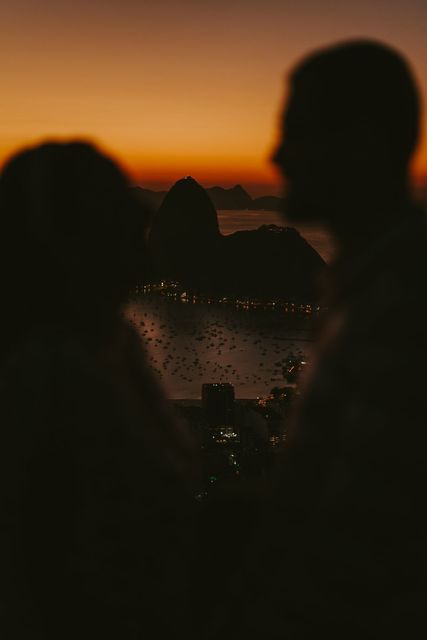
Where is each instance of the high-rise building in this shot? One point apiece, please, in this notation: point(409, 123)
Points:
point(218, 403)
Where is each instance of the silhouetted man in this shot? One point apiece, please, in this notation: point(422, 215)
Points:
point(345, 555)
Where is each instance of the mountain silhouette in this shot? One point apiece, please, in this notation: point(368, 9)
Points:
point(271, 262)
point(187, 246)
point(232, 199)
point(185, 235)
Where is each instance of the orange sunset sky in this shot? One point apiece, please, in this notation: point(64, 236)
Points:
point(178, 88)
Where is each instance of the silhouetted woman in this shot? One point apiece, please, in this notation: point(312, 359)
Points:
point(94, 474)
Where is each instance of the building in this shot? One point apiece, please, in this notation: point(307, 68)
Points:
point(218, 403)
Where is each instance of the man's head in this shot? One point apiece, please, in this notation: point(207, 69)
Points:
point(350, 127)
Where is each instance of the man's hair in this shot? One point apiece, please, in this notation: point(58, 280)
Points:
point(364, 81)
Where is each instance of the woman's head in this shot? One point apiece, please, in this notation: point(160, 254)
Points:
point(71, 231)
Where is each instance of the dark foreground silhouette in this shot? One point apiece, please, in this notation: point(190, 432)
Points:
point(95, 477)
point(342, 553)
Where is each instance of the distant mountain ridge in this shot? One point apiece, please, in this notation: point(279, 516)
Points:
point(235, 198)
